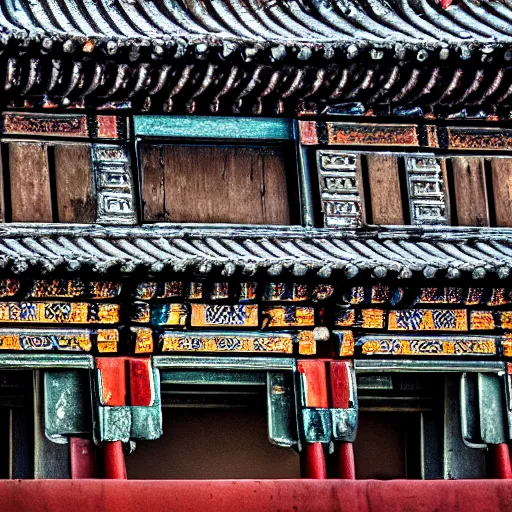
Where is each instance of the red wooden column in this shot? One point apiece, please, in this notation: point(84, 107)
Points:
point(342, 398)
point(82, 454)
point(314, 395)
point(113, 393)
point(501, 460)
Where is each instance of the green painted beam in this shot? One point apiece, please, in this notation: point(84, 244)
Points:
point(234, 128)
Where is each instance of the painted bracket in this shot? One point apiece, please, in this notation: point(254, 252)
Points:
point(317, 425)
point(482, 410)
point(282, 426)
point(67, 404)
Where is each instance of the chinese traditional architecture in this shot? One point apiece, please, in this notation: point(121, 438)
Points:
point(256, 239)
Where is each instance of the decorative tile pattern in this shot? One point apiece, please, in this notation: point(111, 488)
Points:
point(428, 320)
point(114, 184)
point(107, 341)
point(44, 339)
point(56, 125)
point(141, 313)
point(224, 315)
point(59, 312)
point(70, 288)
point(307, 343)
point(475, 296)
point(285, 292)
point(339, 191)
point(427, 200)
point(209, 342)
point(427, 346)
point(143, 340)
point(289, 316)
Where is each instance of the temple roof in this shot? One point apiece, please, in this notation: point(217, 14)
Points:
point(404, 252)
point(314, 24)
point(258, 56)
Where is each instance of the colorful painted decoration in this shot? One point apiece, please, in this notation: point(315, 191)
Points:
point(211, 342)
point(346, 343)
point(59, 312)
point(195, 290)
point(322, 292)
point(248, 291)
point(289, 316)
point(9, 287)
point(481, 320)
point(373, 318)
point(307, 343)
point(224, 315)
point(153, 290)
point(449, 295)
point(368, 295)
point(220, 291)
point(285, 292)
point(428, 320)
point(56, 125)
point(107, 340)
point(143, 340)
point(70, 288)
point(79, 340)
point(427, 346)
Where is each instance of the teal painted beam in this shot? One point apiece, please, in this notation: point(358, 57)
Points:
point(234, 128)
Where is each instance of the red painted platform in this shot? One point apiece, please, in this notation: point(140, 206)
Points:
point(254, 495)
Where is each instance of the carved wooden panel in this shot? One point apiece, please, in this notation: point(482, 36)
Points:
point(341, 193)
point(426, 183)
point(214, 184)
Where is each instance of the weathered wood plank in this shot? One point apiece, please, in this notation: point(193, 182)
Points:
point(30, 182)
point(76, 201)
point(215, 184)
point(502, 190)
point(470, 191)
point(385, 195)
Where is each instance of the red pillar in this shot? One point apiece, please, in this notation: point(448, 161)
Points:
point(113, 460)
point(501, 461)
point(314, 386)
point(341, 382)
point(82, 454)
point(345, 461)
point(314, 461)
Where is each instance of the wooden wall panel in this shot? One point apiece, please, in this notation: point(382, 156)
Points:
point(215, 184)
point(76, 201)
point(30, 182)
point(470, 191)
point(386, 198)
point(502, 190)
